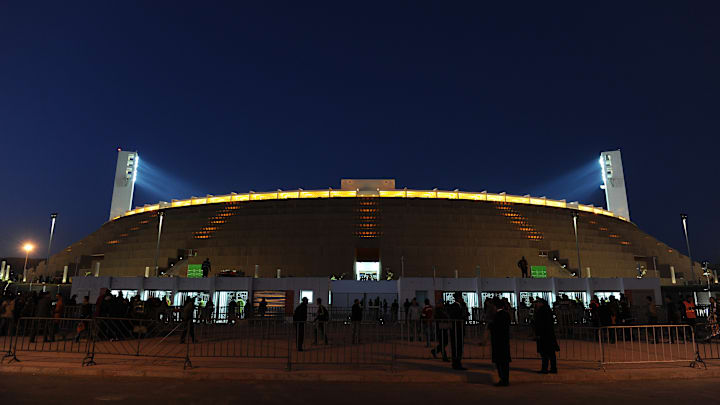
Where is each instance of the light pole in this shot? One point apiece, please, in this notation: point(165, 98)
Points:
point(706, 273)
point(684, 218)
point(53, 217)
point(28, 247)
point(161, 215)
point(577, 243)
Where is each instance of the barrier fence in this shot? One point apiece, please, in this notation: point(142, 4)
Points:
point(647, 344)
point(344, 342)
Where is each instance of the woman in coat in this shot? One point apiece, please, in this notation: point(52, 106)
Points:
point(545, 336)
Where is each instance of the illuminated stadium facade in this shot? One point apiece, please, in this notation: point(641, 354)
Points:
point(369, 229)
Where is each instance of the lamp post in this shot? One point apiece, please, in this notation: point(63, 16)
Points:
point(684, 218)
point(577, 242)
point(53, 217)
point(706, 273)
point(161, 215)
point(28, 247)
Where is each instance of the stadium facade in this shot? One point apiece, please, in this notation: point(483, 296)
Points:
point(370, 229)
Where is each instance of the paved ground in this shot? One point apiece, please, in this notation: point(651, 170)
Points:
point(22, 389)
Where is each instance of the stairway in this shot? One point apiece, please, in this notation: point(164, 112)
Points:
point(519, 222)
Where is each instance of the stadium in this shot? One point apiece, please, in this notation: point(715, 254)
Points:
point(369, 230)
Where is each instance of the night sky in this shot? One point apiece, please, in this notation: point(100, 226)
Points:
point(236, 96)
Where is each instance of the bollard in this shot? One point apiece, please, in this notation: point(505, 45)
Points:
point(147, 271)
point(97, 269)
point(64, 279)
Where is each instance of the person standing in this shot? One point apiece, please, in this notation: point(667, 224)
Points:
point(406, 307)
point(500, 338)
point(262, 308)
point(188, 313)
point(322, 316)
point(300, 318)
point(414, 320)
point(690, 316)
point(713, 319)
point(232, 312)
point(545, 336)
point(355, 319)
point(442, 325)
point(426, 317)
point(205, 267)
point(42, 310)
point(457, 311)
point(6, 315)
point(394, 309)
point(523, 266)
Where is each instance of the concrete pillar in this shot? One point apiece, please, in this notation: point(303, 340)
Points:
point(147, 271)
point(456, 273)
point(97, 269)
point(7, 272)
point(588, 272)
point(65, 269)
point(715, 274)
point(672, 274)
point(279, 272)
point(257, 271)
point(2, 271)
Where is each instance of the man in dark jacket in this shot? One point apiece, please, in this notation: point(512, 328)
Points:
point(545, 336)
point(321, 319)
point(500, 338)
point(43, 309)
point(300, 318)
point(205, 266)
point(188, 313)
point(458, 313)
point(356, 316)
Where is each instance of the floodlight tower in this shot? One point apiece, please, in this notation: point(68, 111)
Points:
point(124, 184)
point(614, 183)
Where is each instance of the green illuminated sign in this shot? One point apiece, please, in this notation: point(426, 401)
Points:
point(195, 271)
point(538, 271)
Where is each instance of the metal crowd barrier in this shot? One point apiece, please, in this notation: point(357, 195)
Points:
point(139, 337)
point(53, 335)
point(344, 342)
point(340, 342)
point(648, 344)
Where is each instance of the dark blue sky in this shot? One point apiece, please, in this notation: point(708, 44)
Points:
point(264, 95)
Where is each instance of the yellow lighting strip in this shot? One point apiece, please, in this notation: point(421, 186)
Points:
point(405, 193)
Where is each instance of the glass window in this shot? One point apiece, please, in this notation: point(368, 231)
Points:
point(306, 294)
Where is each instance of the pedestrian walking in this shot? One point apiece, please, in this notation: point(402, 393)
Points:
point(547, 344)
point(300, 318)
point(500, 338)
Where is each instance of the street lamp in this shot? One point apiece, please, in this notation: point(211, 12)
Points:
point(161, 215)
point(684, 218)
point(53, 217)
point(706, 273)
point(577, 243)
point(28, 247)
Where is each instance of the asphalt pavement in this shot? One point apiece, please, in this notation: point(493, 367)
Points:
point(29, 389)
